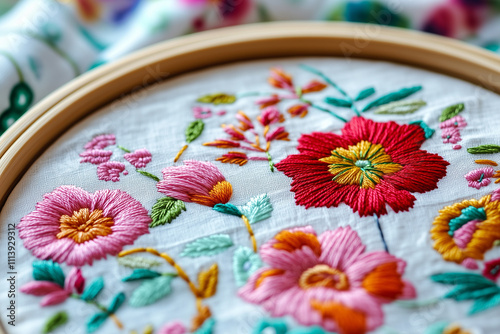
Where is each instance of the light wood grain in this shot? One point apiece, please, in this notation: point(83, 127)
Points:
point(44, 123)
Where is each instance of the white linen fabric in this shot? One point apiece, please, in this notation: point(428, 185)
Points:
point(155, 118)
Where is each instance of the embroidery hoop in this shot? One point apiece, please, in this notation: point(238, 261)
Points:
point(46, 121)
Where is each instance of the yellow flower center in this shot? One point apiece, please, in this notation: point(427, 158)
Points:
point(325, 276)
point(364, 164)
point(84, 225)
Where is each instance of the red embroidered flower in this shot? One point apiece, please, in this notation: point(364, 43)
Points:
point(370, 165)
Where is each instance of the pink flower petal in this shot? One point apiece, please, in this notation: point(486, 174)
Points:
point(173, 328)
point(74, 282)
point(100, 142)
point(110, 171)
point(55, 298)
point(480, 177)
point(340, 248)
point(495, 196)
point(95, 157)
point(139, 158)
point(40, 288)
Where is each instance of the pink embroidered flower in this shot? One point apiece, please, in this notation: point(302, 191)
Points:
point(76, 227)
point(196, 181)
point(492, 270)
point(138, 158)
point(110, 171)
point(100, 142)
point(454, 122)
point(298, 110)
point(268, 101)
point(245, 122)
point(202, 112)
point(451, 135)
point(277, 134)
point(281, 79)
point(479, 177)
point(53, 292)
point(173, 328)
point(270, 115)
point(95, 157)
point(313, 86)
point(234, 133)
point(495, 196)
point(328, 280)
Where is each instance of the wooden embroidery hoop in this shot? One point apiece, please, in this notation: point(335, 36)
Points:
point(45, 122)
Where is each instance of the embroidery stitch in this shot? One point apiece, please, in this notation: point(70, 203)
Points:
point(193, 131)
point(484, 149)
point(451, 124)
point(69, 225)
point(306, 266)
point(57, 320)
point(480, 177)
point(208, 246)
point(486, 162)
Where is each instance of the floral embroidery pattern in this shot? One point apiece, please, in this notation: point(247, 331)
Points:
point(51, 283)
point(326, 280)
point(76, 227)
point(366, 168)
point(451, 124)
point(480, 177)
point(465, 231)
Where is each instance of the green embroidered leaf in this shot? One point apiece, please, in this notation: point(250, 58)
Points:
point(365, 93)
point(245, 263)
point(400, 107)
point(484, 149)
point(151, 291)
point(217, 98)
point(207, 327)
point(165, 210)
point(428, 132)
point(451, 111)
point(194, 130)
point(55, 321)
point(96, 321)
point(137, 262)
point(93, 289)
point(228, 209)
point(208, 246)
point(257, 209)
point(138, 274)
point(484, 303)
point(48, 271)
point(151, 176)
point(391, 97)
point(117, 301)
point(338, 102)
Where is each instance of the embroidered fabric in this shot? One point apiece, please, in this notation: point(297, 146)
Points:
point(155, 119)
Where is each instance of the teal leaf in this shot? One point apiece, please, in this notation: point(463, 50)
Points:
point(338, 102)
point(279, 326)
point(484, 149)
point(96, 321)
point(93, 289)
point(245, 263)
point(207, 327)
point(451, 111)
point(228, 209)
point(139, 274)
point(400, 107)
point(55, 321)
point(208, 246)
point(391, 97)
point(151, 291)
point(257, 209)
point(428, 132)
point(472, 279)
point(117, 301)
point(482, 304)
point(465, 292)
point(165, 210)
point(467, 214)
point(137, 262)
point(365, 93)
point(194, 130)
point(48, 271)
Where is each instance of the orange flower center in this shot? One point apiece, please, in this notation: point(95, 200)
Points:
point(220, 193)
point(364, 164)
point(325, 276)
point(84, 225)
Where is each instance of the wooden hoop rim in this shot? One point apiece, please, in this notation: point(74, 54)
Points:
point(50, 118)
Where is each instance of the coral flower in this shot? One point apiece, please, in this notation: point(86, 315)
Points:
point(76, 227)
point(196, 181)
point(53, 292)
point(465, 231)
point(369, 166)
point(328, 280)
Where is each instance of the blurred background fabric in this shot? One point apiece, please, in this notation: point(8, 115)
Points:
point(46, 43)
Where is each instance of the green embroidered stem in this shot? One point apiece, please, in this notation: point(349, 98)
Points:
point(324, 109)
point(333, 84)
point(123, 149)
point(271, 163)
point(102, 308)
point(151, 176)
point(15, 64)
point(484, 149)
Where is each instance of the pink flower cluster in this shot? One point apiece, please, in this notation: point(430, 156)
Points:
point(450, 131)
point(480, 177)
point(107, 170)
